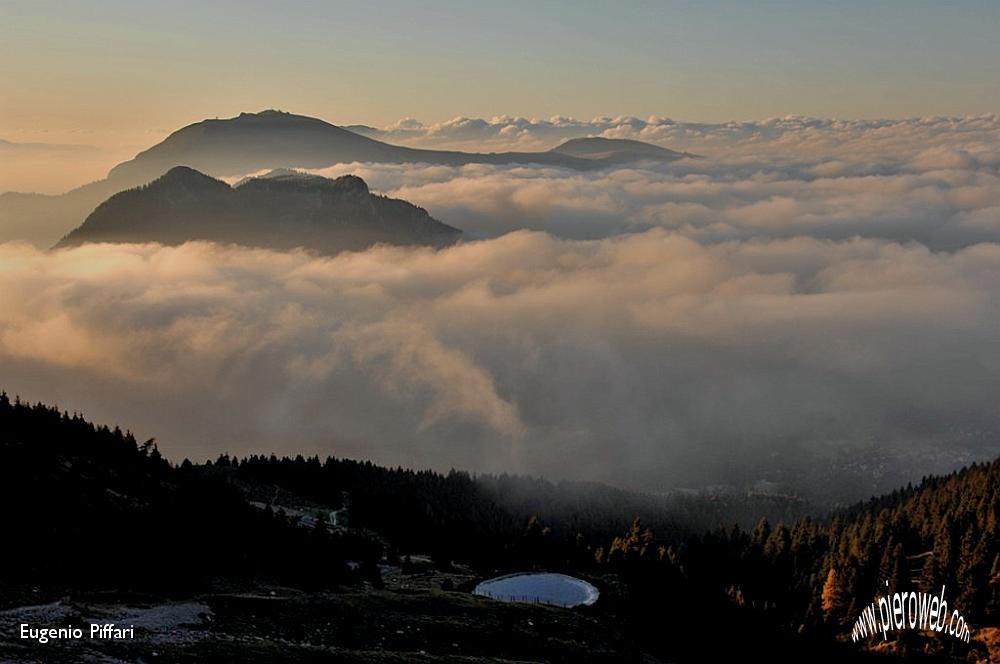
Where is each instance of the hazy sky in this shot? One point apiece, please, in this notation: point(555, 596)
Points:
point(819, 291)
point(120, 74)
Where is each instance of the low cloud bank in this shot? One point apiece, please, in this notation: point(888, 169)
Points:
point(814, 305)
point(650, 360)
point(934, 181)
point(785, 135)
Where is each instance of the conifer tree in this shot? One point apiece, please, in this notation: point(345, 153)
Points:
point(833, 596)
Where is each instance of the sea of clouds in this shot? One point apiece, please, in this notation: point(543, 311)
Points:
point(877, 140)
point(818, 302)
point(932, 181)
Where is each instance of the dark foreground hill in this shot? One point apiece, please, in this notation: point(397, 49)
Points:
point(293, 559)
point(280, 211)
point(253, 142)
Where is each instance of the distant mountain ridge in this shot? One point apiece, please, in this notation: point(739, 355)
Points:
point(616, 150)
point(256, 141)
point(282, 210)
point(253, 142)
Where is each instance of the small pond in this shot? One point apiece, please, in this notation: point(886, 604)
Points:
point(539, 587)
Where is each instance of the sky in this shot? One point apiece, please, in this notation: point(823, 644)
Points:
point(822, 287)
point(120, 75)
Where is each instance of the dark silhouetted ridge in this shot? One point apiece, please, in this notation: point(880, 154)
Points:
point(281, 210)
point(255, 142)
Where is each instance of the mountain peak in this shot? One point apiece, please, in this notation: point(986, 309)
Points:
point(291, 179)
point(271, 114)
point(272, 138)
point(280, 210)
point(266, 113)
point(185, 174)
point(615, 150)
point(351, 183)
point(182, 171)
point(189, 180)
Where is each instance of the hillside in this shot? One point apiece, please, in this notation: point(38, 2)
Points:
point(292, 559)
point(280, 211)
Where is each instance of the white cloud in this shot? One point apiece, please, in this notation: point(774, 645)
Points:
point(816, 294)
point(931, 195)
point(650, 359)
point(856, 139)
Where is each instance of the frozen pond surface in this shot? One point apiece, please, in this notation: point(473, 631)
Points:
point(543, 587)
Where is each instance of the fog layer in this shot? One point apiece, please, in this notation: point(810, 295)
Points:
point(815, 306)
point(649, 359)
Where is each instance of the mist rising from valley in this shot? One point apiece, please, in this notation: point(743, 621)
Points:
point(810, 295)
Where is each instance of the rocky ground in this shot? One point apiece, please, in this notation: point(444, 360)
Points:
point(412, 619)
